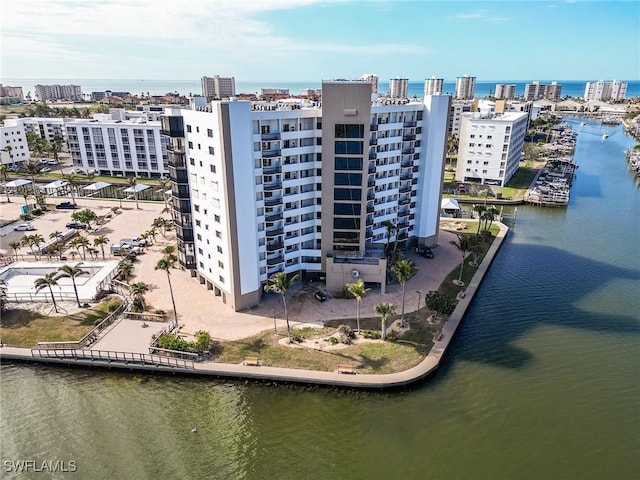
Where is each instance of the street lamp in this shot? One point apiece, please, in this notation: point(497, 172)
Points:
point(419, 295)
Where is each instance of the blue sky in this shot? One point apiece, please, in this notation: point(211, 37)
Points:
point(289, 40)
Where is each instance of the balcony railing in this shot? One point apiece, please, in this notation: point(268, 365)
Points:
point(274, 232)
point(275, 261)
point(271, 169)
point(272, 201)
point(274, 246)
point(409, 124)
point(408, 151)
point(408, 138)
point(275, 152)
point(272, 186)
point(270, 136)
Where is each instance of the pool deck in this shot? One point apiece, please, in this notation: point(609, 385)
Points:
point(288, 375)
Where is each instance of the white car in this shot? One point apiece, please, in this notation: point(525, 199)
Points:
point(24, 227)
point(45, 170)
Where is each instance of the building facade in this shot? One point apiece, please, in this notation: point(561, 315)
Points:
point(218, 87)
point(547, 91)
point(465, 87)
point(505, 91)
point(399, 88)
point(46, 93)
point(303, 188)
point(117, 147)
point(373, 79)
point(490, 146)
point(434, 86)
point(605, 91)
point(13, 142)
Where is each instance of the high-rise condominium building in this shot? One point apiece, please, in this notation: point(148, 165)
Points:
point(602, 90)
point(505, 91)
point(465, 87)
point(218, 87)
point(371, 78)
point(434, 86)
point(399, 87)
point(536, 90)
point(118, 147)
point(303, 188)
point(58, 92)
point(490, 146)
point(11, 92)
point(13, 142)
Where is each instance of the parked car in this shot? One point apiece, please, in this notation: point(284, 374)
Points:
point(66, 206)
point(45, 170)
point(77, 170)
point(76, 225)
point(52, 162)
point(24, 227)
point(320, 296)
point(424, 251)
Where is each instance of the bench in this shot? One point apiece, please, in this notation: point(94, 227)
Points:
point(347, 369)
point(251, 361)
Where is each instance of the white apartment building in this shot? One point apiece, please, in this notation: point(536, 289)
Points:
point(115, 147)
point(45, 127)
point(602, 90)
point(218, 87)
point(465, 87)
point(458, 107)
point(373, 79)
point(505, 91)
point(434, 86)
point(13, 143)
point(58, 92)
point(399, 88)
point(490, 146)
point(303, 188)
point(548, 91)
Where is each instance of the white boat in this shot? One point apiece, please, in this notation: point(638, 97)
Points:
point(605, 136)
point(582, 124)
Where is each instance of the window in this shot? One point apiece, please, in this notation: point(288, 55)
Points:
point(345, 237)
point(347, 194)
point(351, 223)
point(220, 264)
point(212, 168)
point(353, 148)
point(219, 248)
point(211, 151)
point(209, 132)
point(346, 163)
point(189, 128)
point(347, 179)
point(218, 234)
point(190, 144)
point(350, 131)
point(221, 278)
point(346, 208)
point(216, 218)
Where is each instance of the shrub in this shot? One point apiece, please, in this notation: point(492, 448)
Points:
point(392, 336)
point(297, 338)
point(25, 217)
point(333, 340)
point(371, 334)
point(159, 311)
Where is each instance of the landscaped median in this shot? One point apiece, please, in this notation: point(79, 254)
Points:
point(312, 359)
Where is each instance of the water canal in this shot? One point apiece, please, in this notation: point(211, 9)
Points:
point(542, 380)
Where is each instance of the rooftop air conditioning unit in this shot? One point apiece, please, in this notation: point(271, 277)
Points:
point(355, 273)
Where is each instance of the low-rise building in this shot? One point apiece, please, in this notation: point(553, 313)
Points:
point(13, 142)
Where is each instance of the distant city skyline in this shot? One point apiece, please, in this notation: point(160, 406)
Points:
point(313, 39)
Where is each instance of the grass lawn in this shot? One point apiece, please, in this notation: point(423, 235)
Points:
point(24, 328)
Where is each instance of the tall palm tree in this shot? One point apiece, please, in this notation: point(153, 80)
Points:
point(479, 209)
point(49, 280)
point(73, 181)
point(161, 224)
point(170, 251)
point(391, 228)
point(385, 310)
point(32, 167)
point(166, 263)
point(55, 147)
point(358, 290)
point(101, 241)
point(164, 184)
point(138, 290)
point(133, 182)
point(464, 245)
point(4, 176)
point(67, 271)
point(404, 270)
point(15, 245)
point(125, 269)
point(279, 283)
point(35, 241)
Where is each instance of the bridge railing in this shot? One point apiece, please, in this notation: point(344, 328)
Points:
point(112, 357)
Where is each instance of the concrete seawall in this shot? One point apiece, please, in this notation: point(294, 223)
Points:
point(288, 375)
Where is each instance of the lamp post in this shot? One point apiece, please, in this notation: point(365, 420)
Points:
point(419, 295)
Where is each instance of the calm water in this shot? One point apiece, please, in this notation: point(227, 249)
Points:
point(541, 382)
point(571, 88)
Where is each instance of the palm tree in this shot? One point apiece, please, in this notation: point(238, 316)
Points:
point(35, 240)
point(164, 183)
point(101, 241)
point(125, 269)
point(32, 167)
point(133, 182)
point(170, 251)
point(166, 263)
point(3, 295)
point(138, 290)
point(358, 290)
point(161, 224)
point(279, 283)
point(391, 228)
point(73, 181)
point(4, 176)
point(489, 216)
point(49, 280)
point(80, 242)
point(385, 310)
point(404, 270)
point(55, 235)
point(67, 271)
point(15, 245)
point(479, 209)
point(56, 147)
point(464, 245)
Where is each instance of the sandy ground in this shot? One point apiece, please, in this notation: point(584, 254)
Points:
point(199, 309)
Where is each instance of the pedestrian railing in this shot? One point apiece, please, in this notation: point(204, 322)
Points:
point(112, 357)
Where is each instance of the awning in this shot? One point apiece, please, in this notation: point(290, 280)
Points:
point(137, 189)
point(97, 186)
point(57, 184)
point(19, 182)
point(449, 204)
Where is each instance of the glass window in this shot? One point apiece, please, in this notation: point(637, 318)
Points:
point(346, 163)
point(347, 194)
point(346, 208)
point(350, 131)
point(346, 223)
point(347, 178)
point(346, 237)
point(353, 148)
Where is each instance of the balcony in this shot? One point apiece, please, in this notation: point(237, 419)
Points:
point(403, 213)
point(409, 124)
point(405, 176)
point(275, 261)
point(408, 151)
point(274, 246)
point(373, 141)
point(272, 201)
point(274, 152)
point(272, 186)
point(272, 169)
point(270, 136)
point(405, 188)
point(408, 138)
point(373, 127)
point(274, 232)
point(406, 163)
point(273, 217)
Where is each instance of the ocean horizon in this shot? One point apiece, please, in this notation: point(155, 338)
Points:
point(484, 88)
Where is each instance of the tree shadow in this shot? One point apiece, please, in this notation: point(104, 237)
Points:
point(18, 318)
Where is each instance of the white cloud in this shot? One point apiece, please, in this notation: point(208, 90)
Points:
point(481, 15)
